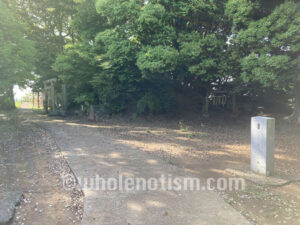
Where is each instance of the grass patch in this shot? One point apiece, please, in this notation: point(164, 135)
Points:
point(191, 136)
point(183, 127)
point(171, 161)
point(18, 104)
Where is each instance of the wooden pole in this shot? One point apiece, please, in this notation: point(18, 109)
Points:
point(11, 93)
point(52, 98)
point(38, 99)
point(64, 94)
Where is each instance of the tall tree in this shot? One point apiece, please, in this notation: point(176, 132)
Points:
point(77, 65)
point(16, 52)
point(135, 53)
point(270, 49)
point(48, 24)
point(172, 42)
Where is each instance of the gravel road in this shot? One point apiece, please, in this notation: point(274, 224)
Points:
point(30, 162)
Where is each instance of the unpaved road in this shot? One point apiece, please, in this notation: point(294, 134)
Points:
point(214, 147)
point(90, 152)
point(112, 147)
point(31, 163)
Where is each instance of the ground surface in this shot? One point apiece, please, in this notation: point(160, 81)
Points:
point(90, 152)
point(204, 148)
point(211, 148)
point(30, 163)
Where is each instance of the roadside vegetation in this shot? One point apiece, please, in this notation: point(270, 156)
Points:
point(157, 56)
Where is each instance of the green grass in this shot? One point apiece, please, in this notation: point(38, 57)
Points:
point(171, 161)
point(18, 104)
point(191, 136)
point(134, 116)
point(183, 127)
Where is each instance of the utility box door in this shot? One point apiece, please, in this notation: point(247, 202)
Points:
point(262, 145)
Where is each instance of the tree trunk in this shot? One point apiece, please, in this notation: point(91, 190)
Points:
point(64, 98)
point(234, 109)
point(12, 97)
point(38, 99)
point(297, 96)
point(296, 114)
point(206, 105)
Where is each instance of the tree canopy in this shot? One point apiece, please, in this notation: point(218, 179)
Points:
point(17, 53)
point(140, 55)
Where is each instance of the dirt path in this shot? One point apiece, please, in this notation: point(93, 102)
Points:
point(207, 149)
point(201, 149)
point(30, 162)
point(211, 148)
point(91, 153)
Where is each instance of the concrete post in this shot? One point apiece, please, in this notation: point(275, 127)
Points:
point(52, 97)
point(262, 145)
point(45, 102)
point(49, 98)
point(206, 106)
point(64, 96)
point(92, 113)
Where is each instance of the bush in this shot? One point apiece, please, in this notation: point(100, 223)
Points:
point(154, 103)
point(6, 103)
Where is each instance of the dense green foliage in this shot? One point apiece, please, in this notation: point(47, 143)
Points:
point(48, 25)
point(16, 54)
point(272, 47)
point(141, 55)
point(267, 40)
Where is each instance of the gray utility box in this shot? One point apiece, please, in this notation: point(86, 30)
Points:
point(262, 145)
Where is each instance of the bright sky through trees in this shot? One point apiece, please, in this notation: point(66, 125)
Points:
point(21, 92)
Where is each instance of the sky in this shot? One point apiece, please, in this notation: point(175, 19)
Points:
point(19, 93)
